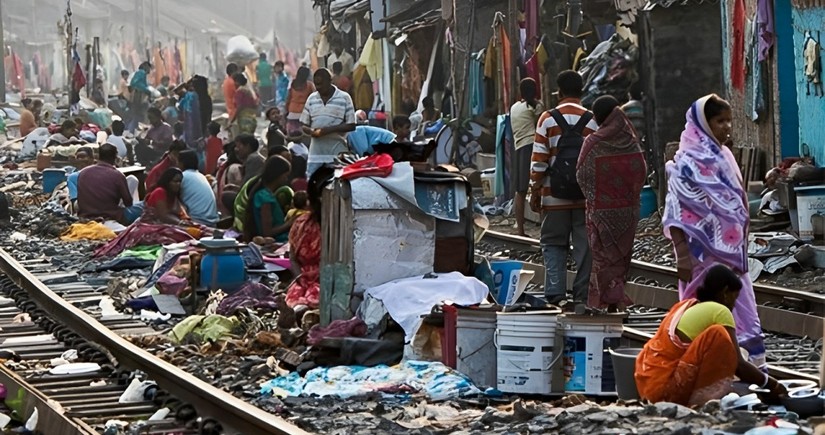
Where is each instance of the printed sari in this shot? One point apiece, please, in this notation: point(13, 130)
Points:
point(246, 103)
point(669, 370)
point(305, 244)
point(611, 173)
point(706, 200)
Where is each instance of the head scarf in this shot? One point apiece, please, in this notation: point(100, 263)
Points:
point(705, 197)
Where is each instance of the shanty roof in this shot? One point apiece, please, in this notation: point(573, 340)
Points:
point(416, 10)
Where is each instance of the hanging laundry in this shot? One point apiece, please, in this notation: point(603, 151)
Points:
point(737, 67)
point(373, 58)
point(764, 25)
point(476, 84)
point(533, 68)
point(506, 59)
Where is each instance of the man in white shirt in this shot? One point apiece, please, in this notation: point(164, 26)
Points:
point(116, 138)
point(328, 116)
point(346, 59)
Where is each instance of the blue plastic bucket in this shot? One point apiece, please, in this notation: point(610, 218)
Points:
point(51, 178)
point(648, 202)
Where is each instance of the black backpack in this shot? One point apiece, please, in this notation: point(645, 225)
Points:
point(562, 172)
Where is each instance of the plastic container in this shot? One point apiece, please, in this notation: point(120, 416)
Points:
point(485, 161)
point(624, 370)
point(506, 275)
point(488, 181)
point(586, 366)
point(51, 178)
point(525, 346)
point(648, 202)
point(810, 202)
point(222, 269)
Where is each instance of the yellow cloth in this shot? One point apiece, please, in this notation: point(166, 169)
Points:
point(362, 94)
point(491, 60)
point(702, 316)
point(88, 231)
point(543, 57)
point(373, 58)
point(295, 213)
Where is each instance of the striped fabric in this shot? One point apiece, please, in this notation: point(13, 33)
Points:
point(544, 152)
point(337, 111)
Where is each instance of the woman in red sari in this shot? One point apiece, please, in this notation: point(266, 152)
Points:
point(694, 355)
point(611, 173)
point(305, 247)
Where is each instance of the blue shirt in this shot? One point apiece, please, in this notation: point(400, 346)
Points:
point(71, 182)
point(198, 198)
point(365, 136)
point(264, 196)
point(282, 87)
point(139, 82)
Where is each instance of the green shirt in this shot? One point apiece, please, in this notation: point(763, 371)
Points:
point(703, 315)
point(265, 196)
point(264, 72)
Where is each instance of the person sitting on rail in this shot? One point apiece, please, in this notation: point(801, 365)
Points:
point(103, 192)
point(163, 205)
point(694, 355)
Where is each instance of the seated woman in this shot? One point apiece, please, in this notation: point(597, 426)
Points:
point(305, 246)
point(265, 214)
point(163, 204)
point(694, 355)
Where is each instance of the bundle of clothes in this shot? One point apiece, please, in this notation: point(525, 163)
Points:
point(609, 70)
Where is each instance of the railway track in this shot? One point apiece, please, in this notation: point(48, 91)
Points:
point(45, 312)
point(783, 311)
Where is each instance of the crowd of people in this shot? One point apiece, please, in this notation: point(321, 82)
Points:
point(264, 185)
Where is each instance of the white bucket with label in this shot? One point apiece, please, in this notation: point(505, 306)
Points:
point(810, 205)
point(525, 349)
point(586, 366)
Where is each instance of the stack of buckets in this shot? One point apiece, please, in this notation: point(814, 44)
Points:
point(545, 352)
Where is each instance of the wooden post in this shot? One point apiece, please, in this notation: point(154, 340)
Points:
point(2, 70)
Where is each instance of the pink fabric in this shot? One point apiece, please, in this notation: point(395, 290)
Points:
point(143, 234)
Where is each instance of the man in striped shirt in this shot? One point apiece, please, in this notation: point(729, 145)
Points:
point(563, 218)
point(328, 116)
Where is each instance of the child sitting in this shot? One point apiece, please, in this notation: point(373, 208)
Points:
point(300, 203)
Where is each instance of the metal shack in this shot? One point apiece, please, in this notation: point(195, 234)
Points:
point(375, 230)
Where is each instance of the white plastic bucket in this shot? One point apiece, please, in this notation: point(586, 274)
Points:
point(488, 182)
point(586, 365)
point(525, 346)
point(475, 353)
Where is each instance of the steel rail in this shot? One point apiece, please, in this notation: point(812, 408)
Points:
point(234, 414)
point(813, 302)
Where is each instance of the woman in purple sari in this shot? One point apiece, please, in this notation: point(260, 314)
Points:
point(706, 214)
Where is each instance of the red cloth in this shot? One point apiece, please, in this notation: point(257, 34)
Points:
point(305, 242)
point(156, 197)
point(534, 71)
point(214, 149)
point(158, 170)
point(737, 66)
point(143, 234)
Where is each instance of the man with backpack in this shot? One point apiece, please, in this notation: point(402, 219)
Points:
point(560, 133)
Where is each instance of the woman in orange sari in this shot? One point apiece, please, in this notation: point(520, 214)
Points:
point(694, 355)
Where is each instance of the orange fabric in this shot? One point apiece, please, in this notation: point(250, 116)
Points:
point(668, 370)
point(298, 97)
point(229, 96)
point(506, 60)
point(27, 122)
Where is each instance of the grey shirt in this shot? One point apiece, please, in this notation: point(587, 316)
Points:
point(253, 166)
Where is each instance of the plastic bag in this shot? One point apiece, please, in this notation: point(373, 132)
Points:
point(376, 165)
point(240, 51)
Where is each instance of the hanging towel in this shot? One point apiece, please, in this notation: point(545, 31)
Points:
point(764, 26)
point(372, 58)
point(737, 66)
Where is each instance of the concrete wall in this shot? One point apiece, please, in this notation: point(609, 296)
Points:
point(811, 108)
point(674, 75)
